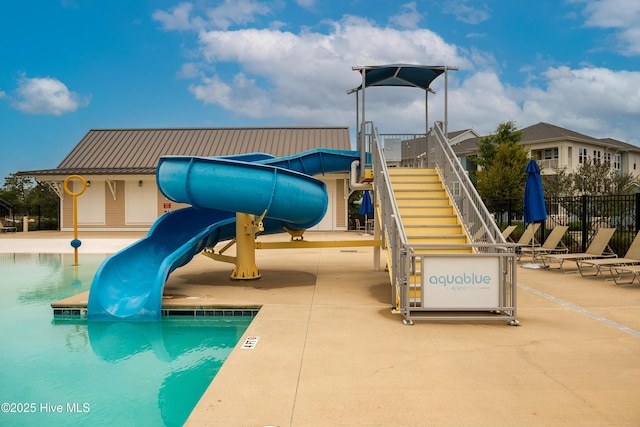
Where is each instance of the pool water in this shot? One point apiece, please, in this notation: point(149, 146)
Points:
point(67, 371)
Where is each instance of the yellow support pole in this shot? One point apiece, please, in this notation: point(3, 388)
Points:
point(293, 244)
point(246, 230)
point(377, 233)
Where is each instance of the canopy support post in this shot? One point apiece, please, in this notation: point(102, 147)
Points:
point(446, 102)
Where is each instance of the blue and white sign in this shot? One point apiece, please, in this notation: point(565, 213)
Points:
point(460, 282)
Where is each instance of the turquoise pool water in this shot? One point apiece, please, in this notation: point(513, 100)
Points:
point(67, 371)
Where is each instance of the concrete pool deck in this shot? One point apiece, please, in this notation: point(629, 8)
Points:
point(330, 353)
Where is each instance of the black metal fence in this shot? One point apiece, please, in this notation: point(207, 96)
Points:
point(583, 214)
point(38, 218)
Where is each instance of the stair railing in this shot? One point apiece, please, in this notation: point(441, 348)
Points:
point(393, 235)
point(480, 224)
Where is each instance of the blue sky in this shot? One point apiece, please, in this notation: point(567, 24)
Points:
point(69, 66)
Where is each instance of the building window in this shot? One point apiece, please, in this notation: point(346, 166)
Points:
point(551, 153)
point(634, 163)
point(548, 158)
point(456, 190)
point(607, 159)
point(582, 155)
point(597, 156)
point(617, 162)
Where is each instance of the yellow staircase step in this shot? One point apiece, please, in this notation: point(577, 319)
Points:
point(422, 211)
point(417, 185)
point(419, 194)
point(410, 220)
point(444, 251)
point(393, 172)
point(437, 239)
point(433, 229)
point(424, 202)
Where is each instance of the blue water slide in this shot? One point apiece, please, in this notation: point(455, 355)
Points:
point(129, 284)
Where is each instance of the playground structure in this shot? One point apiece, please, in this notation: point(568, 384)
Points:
point(232, 199)
point(446, 257)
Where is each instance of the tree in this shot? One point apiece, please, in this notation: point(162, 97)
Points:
point(560, 184)
point(16, 190)
point(598, 179)
point(25, 194)
point(503, 162)
point(43, 196)
point(625, 183)
point(506, 133)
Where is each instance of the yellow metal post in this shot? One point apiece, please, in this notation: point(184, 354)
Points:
point(377, 235)
point(246, 230)
point(75, 243)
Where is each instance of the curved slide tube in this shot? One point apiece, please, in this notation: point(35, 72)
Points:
point(129, 284)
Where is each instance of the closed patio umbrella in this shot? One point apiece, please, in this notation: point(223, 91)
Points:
point(535, 208)
point(366, 207)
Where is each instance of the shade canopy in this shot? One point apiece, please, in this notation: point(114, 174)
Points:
point(409, 75)
point(396, 75)
point(535, 208)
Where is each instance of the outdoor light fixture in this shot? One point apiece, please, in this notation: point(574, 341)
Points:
point(140, 183)
point(88, 183)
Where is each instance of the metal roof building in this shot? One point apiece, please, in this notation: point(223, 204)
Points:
point(119, 166)
point(136, 151)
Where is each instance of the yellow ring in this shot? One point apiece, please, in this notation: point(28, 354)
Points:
point(66, 185)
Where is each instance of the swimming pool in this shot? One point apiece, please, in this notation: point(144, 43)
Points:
point(67, 371)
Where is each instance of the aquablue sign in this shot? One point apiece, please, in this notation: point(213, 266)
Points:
point(460, 282)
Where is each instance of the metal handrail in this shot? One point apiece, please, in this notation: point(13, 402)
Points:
point(393, 234)
point(476, 217)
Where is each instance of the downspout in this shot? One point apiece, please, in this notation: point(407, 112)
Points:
point(353, 178)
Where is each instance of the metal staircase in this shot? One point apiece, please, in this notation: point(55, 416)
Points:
point(446, 257)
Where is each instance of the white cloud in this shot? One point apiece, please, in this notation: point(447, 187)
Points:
point(307, 4)
point(622, 16)
point(613, 13)
point(254, 101)
point(230, 12)
point(3, 94)
point(237, 12)
point(46, 95)
point(303, 74)
point(178, 19)
point(466, 13)
point(302, 78)
point(595, 101)
point(409, 17)
point(480, 102)
point(189, 70)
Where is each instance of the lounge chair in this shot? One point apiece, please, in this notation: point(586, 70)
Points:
point(622, 271)
point(506, 233)
point(7, 228)
point(552, 245)
point(528, 236)
point(630, 258)
point(598, 248)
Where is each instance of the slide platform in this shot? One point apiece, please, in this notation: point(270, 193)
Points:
point(129, 284)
